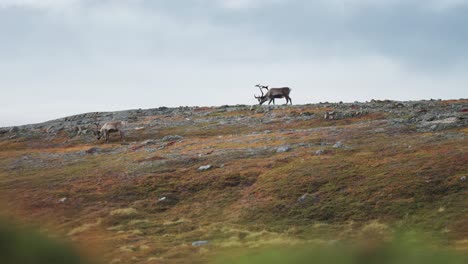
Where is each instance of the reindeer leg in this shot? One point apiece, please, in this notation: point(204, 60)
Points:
point(107, 136)
point(121, 135)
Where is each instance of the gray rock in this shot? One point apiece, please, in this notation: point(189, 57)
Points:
point(435, 123)
point(14, 130)
point(200, 243)
point(302, 198)
point(339, 144)
point(204, 168)
point(149, 142)
point(172, 138)
point(320, 152)
point(283, 149)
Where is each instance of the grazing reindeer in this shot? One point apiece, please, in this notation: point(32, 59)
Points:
point(109, 127)
point(272, 94)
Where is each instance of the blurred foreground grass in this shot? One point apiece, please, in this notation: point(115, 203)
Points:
point(405, 248)
point(20, 245)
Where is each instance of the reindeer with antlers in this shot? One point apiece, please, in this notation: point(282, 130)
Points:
point(109, 127)
point(272, 94)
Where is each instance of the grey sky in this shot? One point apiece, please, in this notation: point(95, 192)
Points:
point(66, 57)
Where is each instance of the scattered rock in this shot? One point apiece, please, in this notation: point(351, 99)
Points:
point(204, 168)
point(339, 144)
point(379, 130)
point(172, 138)
point(162, 199)
point(283, 149)
point(302, 198)
point(433, 123)
point(463, 178)
point(320, 152)
point(139, 128)
point(398, 105)
point(200, 243)
point(149, 142)
point(63, 199)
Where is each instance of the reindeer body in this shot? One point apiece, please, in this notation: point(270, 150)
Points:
point(110, 127)
point(273, 93)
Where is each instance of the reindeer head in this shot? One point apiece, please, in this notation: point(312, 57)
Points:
point(98, 131)
point(263, 98)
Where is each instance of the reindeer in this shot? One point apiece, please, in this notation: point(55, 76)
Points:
point(109, 127)
point(272, 94)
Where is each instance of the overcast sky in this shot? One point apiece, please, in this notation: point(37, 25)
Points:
point(63, 57)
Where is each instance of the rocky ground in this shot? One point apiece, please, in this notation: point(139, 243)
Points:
point(191, 182)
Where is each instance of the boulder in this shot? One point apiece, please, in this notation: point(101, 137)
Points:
point(320, 152)
point(149, 142)
point(339, 144)
point(283, 149)
point(204, 168)
point(200, 243)
point(172, 138)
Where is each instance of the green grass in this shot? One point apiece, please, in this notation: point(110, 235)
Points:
point(405, 249)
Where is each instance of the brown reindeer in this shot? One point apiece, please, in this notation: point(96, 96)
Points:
point(110, 127)
point(272, 94)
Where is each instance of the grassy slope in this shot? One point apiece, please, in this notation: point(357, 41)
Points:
point(387, 177)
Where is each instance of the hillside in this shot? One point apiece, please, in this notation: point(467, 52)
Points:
point(241, 177)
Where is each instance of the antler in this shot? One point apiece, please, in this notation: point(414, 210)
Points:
point(259, 87)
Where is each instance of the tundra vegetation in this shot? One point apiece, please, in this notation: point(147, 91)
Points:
point(203, 183)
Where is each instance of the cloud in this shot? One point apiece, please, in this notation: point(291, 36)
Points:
point(135, 50)
point(213, 30)
point(39, 4)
